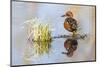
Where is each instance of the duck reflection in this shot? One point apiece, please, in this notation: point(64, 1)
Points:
point(70, 45)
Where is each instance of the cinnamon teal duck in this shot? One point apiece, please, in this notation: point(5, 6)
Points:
point(70, 24)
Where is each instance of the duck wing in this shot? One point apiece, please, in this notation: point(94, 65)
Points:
point(70, 23)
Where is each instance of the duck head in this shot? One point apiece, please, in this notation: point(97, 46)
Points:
point(68, 14)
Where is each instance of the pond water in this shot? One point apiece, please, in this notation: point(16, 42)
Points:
point(52, 52)
point(25, 52)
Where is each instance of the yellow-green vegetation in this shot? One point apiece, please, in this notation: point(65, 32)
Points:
point(41, 47)
point(38, 30)
point(39, 34)
point(42, 33)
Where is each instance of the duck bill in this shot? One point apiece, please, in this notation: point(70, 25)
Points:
point(63, 15)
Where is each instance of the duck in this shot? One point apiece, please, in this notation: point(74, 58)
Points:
point(70, 24)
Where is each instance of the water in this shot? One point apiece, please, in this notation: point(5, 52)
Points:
point(52, 52)
point(25, 52)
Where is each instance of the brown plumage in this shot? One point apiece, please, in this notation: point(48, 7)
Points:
point(70, 23)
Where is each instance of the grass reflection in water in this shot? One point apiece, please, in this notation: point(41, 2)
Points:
point(41, 47)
